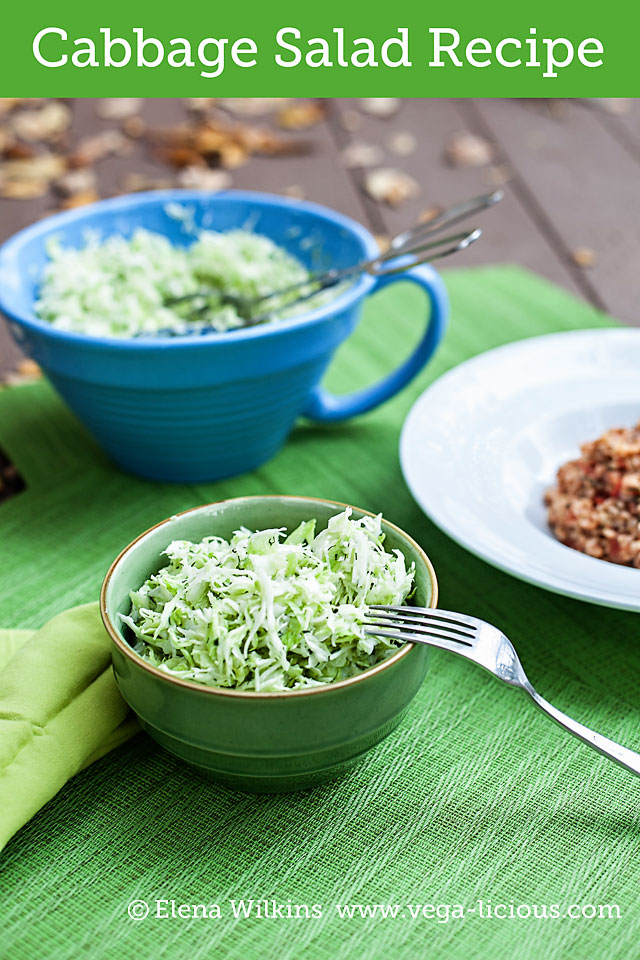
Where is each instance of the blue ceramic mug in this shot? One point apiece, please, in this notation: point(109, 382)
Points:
point(194, 409)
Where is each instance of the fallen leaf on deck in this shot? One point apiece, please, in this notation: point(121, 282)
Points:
point(295, 191)
point(199, 104)
point(616, 105)
point(95, 148)
point(300, 116)
point(584, 257)
point(380, 106)
point(233, 155)
point(23, 189)
point(182, 156)
point(118, 108)
point(360, 154)
point(26, 371)
point(429, 214)
point(351, 121)
point(402, 143)
point(79, 180)
point(230, 144)
point(6, 140)
point(30, 177)
point(8, 103)
point(390, 186)
point(80, 199)
point(201, 178)
point(134, 126)
point(28, 368)
point(135, 182)
point(252, 106)
point(498, 175)
point(46, 123)
point(14, 150)
point(468, 150)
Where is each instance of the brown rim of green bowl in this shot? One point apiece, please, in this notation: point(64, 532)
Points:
point(126, 649)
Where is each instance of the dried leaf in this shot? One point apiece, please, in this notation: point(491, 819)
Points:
point(351, 121)
point(380, 106)
point(45, 124)
point(498, 175)
point(252, 106)
point(135, 182)
point(261, 140)
point(615, 105)
point(23, 189)
point(80, 180)
point(44, 166)
point(200, 104)
point(584, 257)
point(28, 368)
point(360, 154)
point(95, 148)
point(201, 178)
point(80, 199)
point(300, 116)
point(118, 108)
point(134, 126)
point(14, 150)
point(233, 155)
point(295, 191)
point(402, 143)
point(228, 144)
point(8, 103)
point(557, 108)
point(183, 157)
point(208, 139)
point(390, 186)
point(31, 176)
point(26, 371)
point(468, 150)
point(429, 214)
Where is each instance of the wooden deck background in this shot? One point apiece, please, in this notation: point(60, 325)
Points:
point(571, 173)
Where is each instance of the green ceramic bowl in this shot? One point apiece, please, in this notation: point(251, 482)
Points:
point(262, 742)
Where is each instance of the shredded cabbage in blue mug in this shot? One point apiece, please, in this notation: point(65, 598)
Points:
point(267, 612)
point(126, 287)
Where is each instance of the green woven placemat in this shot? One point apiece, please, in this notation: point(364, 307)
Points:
point(476, 797)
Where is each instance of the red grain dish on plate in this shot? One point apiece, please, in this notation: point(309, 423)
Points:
point(595, 506)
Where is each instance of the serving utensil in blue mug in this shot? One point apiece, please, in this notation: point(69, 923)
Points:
point(192, 409)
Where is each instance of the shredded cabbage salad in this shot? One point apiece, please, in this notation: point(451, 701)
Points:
point(267, 612)
point(119, 287)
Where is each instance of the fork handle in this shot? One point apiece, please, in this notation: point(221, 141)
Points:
point(628, 759)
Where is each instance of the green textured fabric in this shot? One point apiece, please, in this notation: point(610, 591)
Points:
point(59, 710)
point(10, 642)
point(475, 797)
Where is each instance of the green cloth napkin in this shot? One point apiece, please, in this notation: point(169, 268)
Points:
point(60, 710)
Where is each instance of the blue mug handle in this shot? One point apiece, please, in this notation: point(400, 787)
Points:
point(325, 406)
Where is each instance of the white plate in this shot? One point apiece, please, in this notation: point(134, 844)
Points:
point(482, 444)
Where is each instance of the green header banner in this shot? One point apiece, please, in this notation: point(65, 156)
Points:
point(546, 49)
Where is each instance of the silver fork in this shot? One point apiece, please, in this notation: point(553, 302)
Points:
point(490, 648)
point(416, 246)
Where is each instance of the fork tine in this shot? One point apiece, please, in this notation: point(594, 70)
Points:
point(407, 629)
point(388, 618)
point(461, 211)
point(430, 613)
point(430, 639)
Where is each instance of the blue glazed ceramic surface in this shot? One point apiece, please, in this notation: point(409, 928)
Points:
point(200, 408)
